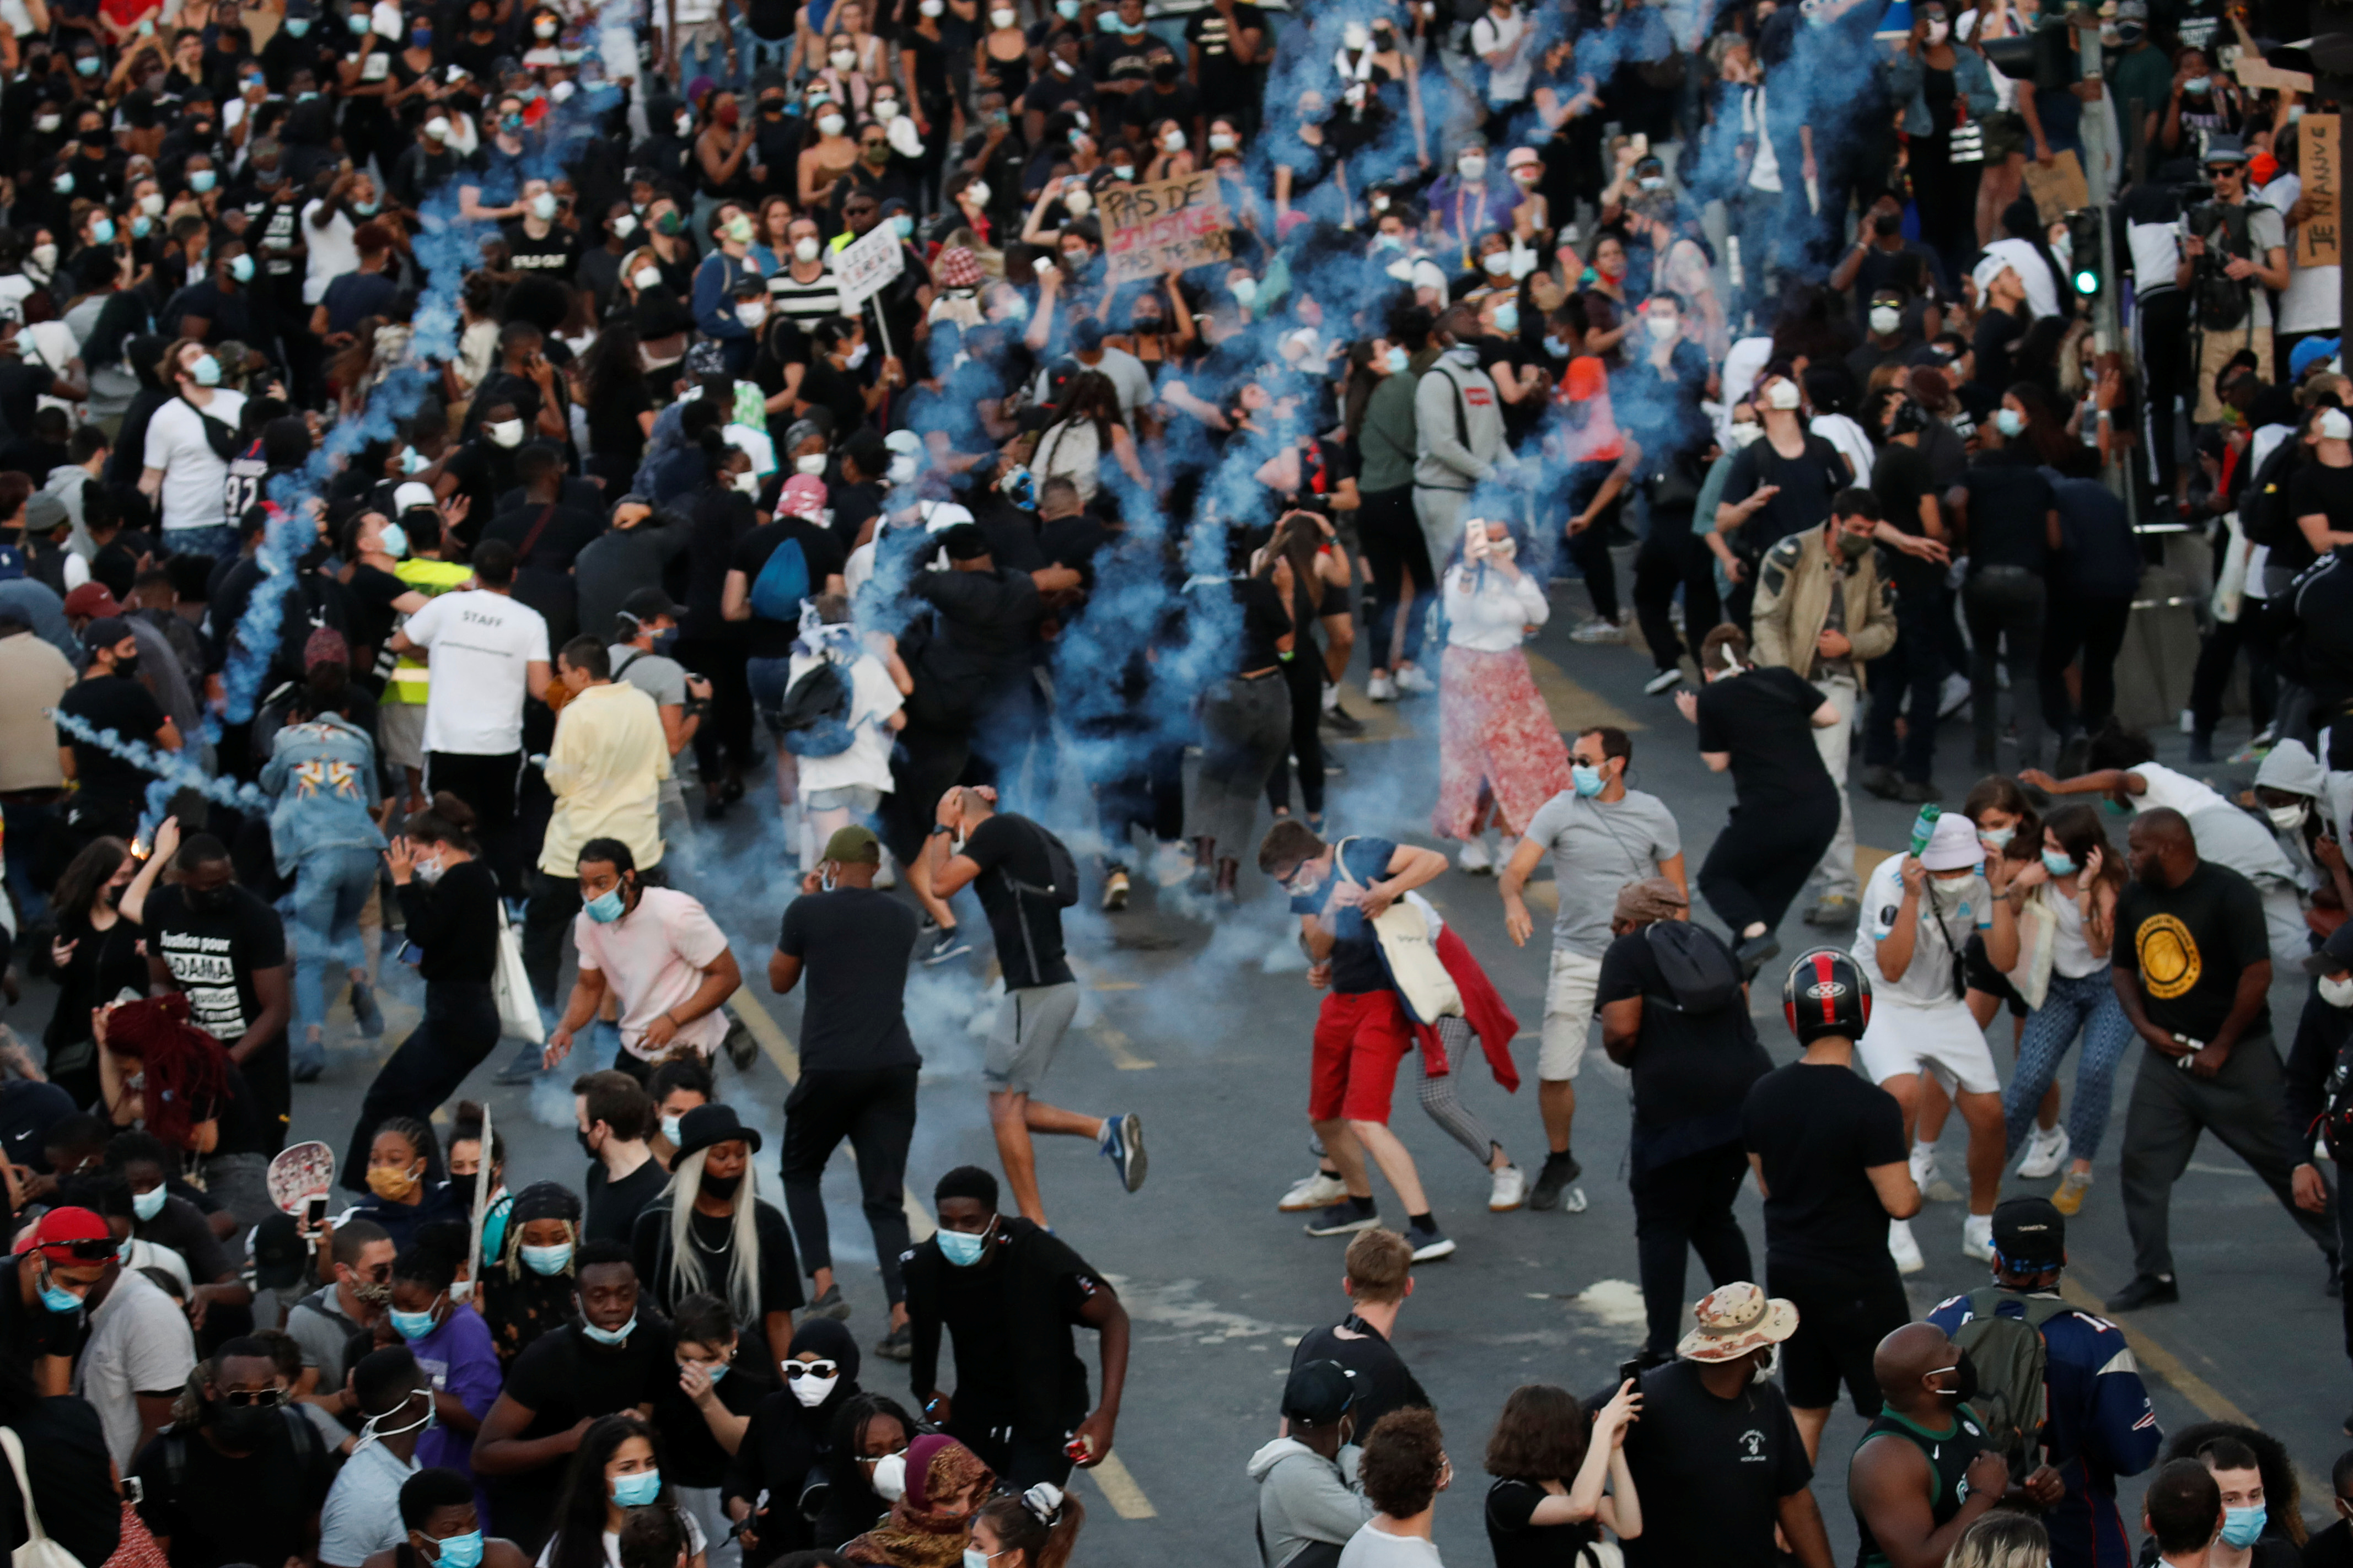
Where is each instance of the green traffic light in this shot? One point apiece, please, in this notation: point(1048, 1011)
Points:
point(2087, 281)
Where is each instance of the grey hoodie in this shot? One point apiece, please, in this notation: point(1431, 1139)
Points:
point(1303, 1497)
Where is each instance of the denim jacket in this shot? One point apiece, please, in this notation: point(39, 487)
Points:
point(1972, 78)
point(323, 776)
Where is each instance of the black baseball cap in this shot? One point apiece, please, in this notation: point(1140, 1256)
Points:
point(277, 1253)
point(1318, 1393)
point(2336, 954)
point(649, 604)
point(2030, 1234)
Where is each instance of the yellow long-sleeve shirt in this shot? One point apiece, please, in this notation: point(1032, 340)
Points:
point(606, 769)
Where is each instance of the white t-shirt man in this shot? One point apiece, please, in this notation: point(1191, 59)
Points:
point(480, 647)
point(139, 1343)
point(333, 251)
point(1921, 1021)
point(1489, 35)
point(195, 477)
point(1373, 1547)
point(653, 958)
point(874, 698)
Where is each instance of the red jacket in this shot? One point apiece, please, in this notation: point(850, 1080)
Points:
point(1489, 1018)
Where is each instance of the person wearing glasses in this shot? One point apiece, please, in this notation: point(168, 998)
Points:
point(2234, 254)
point(41, 1321)
point(791, 1437)
point(360, 1252)
point(243, 1482)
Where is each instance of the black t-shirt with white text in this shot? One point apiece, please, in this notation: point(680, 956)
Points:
point(1741, 1455)
point(214, 954)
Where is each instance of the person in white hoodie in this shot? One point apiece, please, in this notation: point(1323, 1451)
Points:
point(1308, 1488)
point(1500, 754)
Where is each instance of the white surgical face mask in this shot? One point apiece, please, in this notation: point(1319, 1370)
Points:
point(1002, 18)
point(812, 1392)
point(1496, 262)
point(751, 314)
point(891, 1477)
point(1172, 142)
point(829, 124)
point(977, 193)
point(505, 431)
point(1886, 319)
point(857, 357)
point(748, 482)
point(805, 249)
point(1226, 141)
point(2337, 992)
point(1472, 167)
point(1781, 394)
point(1940, 30)
point(843, 58)
point(2288, 818)
point(151, 204)
point(647, 276)
point(811, 464)
point(624, 227)
point(1079, 203)
point(1743, 433)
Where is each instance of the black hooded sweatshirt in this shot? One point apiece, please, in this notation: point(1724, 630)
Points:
point(786, 1449)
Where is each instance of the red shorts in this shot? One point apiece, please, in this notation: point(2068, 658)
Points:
point(1360, 1038)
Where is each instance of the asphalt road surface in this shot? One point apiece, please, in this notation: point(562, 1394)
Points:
point(1201, 1025)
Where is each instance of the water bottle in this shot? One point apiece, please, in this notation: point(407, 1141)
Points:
point(1923, 827)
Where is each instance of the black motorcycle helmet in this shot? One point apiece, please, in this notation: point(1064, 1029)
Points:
point(1826, 994)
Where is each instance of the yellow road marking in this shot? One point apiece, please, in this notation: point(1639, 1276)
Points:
point(1572, 706)
point(2154, 1357)
point(1120, 1490)
point(1116, 1046)
point(779, 1046)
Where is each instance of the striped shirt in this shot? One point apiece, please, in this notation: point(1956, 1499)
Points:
point(803, 304)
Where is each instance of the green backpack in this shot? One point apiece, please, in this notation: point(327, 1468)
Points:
point(2010, 1359)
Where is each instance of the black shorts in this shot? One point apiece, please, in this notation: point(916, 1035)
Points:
point(1841, 1321)
point(1981, 976)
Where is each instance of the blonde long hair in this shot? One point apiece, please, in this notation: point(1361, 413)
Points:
point(686, 1276)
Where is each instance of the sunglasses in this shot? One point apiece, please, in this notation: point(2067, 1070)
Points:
point(90, 1249)
point(249, 1398)
point(817, 1369)
point(2231, 169)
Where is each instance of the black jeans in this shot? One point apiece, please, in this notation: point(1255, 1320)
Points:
point(1914, 668)
point(2212, 676)
point(722, 743)
point(1686, 1205)
point(1397, 552)
point(1760, 861)
point(2169, 378)
point(488, 784)
point(1140, 785)
point(1021, 1458)
point(875, 1109)
point(460, 1028)
point(1302, 673)
point(2095, 629)
point(2005, 605)
point(1673, 556)
point(1590, 549)
point(554, 900)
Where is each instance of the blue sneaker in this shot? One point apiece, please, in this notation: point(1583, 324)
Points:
point(950, 943)
point(1123, 1145)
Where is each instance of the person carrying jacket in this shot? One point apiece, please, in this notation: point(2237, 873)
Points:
point(2097, 1421)
point(1309, 1494)
point(1823, 611)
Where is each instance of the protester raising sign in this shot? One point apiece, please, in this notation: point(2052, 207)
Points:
point(1164, 227)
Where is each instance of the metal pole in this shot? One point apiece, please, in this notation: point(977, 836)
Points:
point(2107, 320)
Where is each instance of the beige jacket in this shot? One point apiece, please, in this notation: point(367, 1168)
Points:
point(1794, 582)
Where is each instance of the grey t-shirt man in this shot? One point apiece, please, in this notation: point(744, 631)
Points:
point(1597, 848)
point(662, 678)
point(319, 1326)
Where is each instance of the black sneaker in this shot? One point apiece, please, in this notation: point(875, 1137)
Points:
point(829, 1305)
point(364, 1008)
point(1340, 721)
point(1347, 1215)
point(1428, 1242)
point(741, 1048)
point(1559, 1171)
point(949, 943)
point(899, 1344)
point(1123, 1145)
point(1755, 951)
point(1883, 782)
point(2144, 1290)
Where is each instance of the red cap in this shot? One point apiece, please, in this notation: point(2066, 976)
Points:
point(91, 600)
point(60, 1229)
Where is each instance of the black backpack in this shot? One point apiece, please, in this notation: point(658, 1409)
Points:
point(814, 718)
point(2263, 511)
point(1701, 975)
point(1062, 867)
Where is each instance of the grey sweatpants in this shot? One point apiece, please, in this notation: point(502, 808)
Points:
point(2240, 1106)
point(1245, 732)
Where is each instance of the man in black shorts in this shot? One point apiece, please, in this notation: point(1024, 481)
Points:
point(1827, 1145)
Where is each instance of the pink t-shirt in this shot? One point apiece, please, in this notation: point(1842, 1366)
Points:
point(653, 958)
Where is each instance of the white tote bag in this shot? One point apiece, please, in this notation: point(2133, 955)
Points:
point(38, 1551)
point(511, 987)
point(1408, 948)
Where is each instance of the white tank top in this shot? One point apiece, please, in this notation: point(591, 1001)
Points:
point(2070, 956)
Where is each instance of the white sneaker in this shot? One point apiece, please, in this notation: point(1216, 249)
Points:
point(1380, 688)
point(1902, 1249)
point(2044, 1153)
point(1474, 858)
point(1409, 678)
point(1977, 1237)
point(1510, 1191)
point(1955, 695)
point(1316, 1192)
point(1664, 680)
point(1598, 630)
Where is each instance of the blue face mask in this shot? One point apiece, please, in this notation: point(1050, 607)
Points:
point(241, 268)
point(962, 1247)
point(1507, 319)
point(2242, 1525)
point(1398, 362)
point(904, 224)
point(58, 1298)
point(637, 1490)
point(1587, 780)
point(665, 640)
point(1555, 348)
point(1067, 9)
point(460, 1551)
point(2058, 865)
point(101, 231)
point(606, 907)
point(149, 1203)
point(413, 1325)
point(139, 224)
point(974, 1557)
point(297, 26)
point(393, 540)
point(611, 1336)
point(547, 1260)
point(201, 181)
point(86, 65)
point(2010, 423)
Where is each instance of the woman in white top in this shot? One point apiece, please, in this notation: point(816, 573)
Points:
point(1500, 754)
point(616, 1472)
point(2074, 891)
